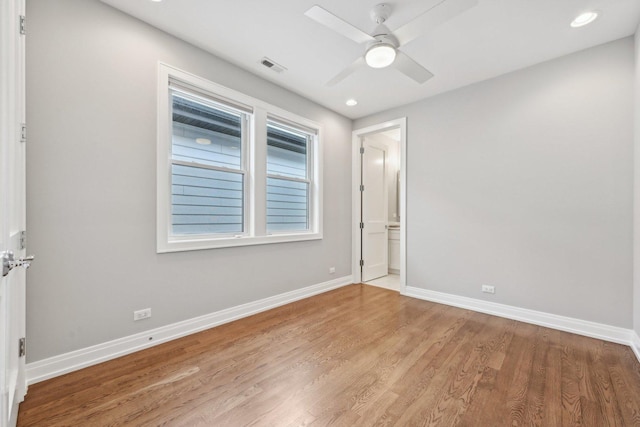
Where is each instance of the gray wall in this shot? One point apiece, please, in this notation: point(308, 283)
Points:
point(91, 96)
point(524, 182)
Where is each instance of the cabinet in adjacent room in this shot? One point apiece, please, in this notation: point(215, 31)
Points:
point(394, 250)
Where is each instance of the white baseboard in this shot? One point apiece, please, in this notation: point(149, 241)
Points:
point(562, 323)
point(58, 365)
point(635, 344)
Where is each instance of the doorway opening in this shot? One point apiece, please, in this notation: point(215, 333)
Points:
point(379, 205)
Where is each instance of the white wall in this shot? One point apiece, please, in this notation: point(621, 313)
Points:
point(91, 95)
point(524, 182)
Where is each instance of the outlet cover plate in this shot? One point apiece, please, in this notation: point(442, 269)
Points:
point(142, 314)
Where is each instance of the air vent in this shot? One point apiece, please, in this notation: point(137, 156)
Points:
point(272, 65)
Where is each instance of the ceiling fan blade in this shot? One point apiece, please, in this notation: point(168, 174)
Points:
point(438, 14)
point(338, 25)
point(346, 72)
point(411, 68)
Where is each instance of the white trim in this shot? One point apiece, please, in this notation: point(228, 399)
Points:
point(194, 243)
point(562, 323)
point(258, 168)
point(401, 124)
point(635, 344)
point(82, 358)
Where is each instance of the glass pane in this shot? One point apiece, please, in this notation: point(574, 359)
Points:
point(205, 134)
point(287, 205)
point(205, 201)
point(286, 153)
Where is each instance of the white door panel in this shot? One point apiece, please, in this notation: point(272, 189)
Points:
point(12, 210)
point(375, 241)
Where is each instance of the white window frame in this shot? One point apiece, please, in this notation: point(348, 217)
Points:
point(242, 170)
point(311, 135)
point(255, 166)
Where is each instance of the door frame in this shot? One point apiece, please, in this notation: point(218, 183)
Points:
point(357, 135)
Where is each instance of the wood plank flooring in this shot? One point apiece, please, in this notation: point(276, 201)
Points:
point(356, 356)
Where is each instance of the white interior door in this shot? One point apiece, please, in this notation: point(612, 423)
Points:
point(375, 211)
point(12, 210)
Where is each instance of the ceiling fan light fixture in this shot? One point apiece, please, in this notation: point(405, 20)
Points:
point(584, 19)
point(380, 55)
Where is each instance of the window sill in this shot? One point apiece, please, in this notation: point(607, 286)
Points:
point(195, 243)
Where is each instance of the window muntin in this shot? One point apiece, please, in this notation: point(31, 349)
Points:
point(288, 178)
point(207, 170)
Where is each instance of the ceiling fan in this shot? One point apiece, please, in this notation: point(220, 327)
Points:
point(382, 47)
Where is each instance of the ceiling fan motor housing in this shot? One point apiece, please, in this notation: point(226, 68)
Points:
point(384, 38)
point(380, 13)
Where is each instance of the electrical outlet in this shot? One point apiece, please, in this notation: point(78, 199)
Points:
point(488, 289)
point(142, 314)
point(332, 270)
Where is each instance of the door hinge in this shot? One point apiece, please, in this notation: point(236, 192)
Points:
point(361, 225)
point(361, 263)
point(23, 239)
point(361, 150)
point(23, 132)
point(361, 187)
point(22, 347)
point(23, 24)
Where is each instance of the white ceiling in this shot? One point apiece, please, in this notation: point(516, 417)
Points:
point(493, 38)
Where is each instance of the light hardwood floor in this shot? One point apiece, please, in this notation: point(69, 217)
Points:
point(356, 356)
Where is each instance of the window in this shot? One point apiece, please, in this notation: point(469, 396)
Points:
point(287, 178)
point(232, 170)
point(207, 167)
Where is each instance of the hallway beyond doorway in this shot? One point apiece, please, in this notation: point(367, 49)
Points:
point(390, 281)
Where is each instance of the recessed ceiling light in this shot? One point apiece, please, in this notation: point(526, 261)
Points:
point(584, 19)
point(203, 141)
point(351, 102)
point(156, 1)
